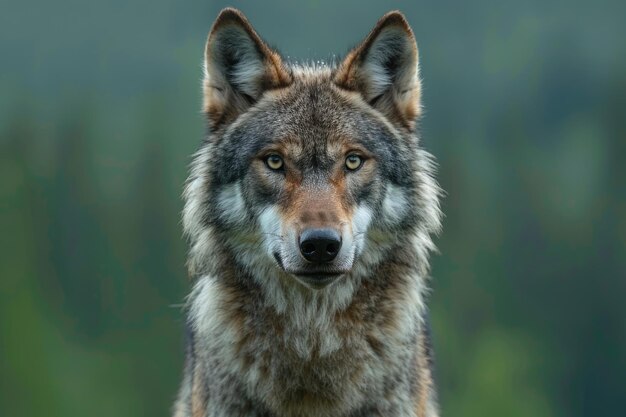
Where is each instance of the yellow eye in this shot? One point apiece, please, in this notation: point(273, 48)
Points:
point(354, 162)
point(274, 162)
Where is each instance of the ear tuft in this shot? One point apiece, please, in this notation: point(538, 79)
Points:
point(239, 68)
point(384, 70)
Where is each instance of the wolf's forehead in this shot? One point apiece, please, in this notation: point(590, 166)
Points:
point(311, 99)
point(310, 118)
point(313, 109)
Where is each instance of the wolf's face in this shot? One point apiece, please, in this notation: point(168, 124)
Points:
point(308, 166)
point(305, 168)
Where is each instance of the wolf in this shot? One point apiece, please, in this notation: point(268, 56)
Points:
point(310, 210)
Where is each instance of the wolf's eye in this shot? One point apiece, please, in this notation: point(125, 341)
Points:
point(274, 162)
point(354, 162)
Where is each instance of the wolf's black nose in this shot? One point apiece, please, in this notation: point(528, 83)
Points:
point(320, 245)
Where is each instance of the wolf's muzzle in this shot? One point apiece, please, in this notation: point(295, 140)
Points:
point(320, 245)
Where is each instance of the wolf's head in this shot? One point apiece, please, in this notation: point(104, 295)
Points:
point(310, 174)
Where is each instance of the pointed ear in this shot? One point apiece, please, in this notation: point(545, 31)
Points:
point(384, 70)
point(239, 68)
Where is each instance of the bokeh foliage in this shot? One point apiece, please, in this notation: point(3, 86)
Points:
point(525, 111)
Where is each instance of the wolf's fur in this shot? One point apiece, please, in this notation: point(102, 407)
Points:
point(265, 340)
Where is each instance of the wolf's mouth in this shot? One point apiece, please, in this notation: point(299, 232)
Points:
point(317, 279)
point(311, 277)
point(313, 274)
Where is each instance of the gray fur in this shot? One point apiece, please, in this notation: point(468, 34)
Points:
point(264, 342)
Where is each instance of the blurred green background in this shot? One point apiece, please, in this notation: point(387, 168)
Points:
point(525, 111)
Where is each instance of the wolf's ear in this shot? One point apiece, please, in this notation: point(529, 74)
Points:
point(384, 70)
point(239, 68)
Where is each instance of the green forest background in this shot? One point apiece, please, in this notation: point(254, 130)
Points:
point(525, 111)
